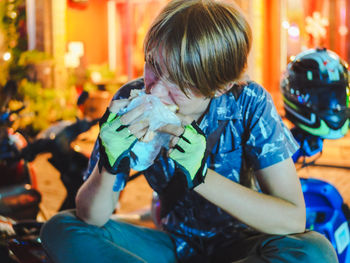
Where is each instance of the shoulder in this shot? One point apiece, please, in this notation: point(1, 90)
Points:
point(237, 102)
point(124, 91)
point(255, 100)
point(252, 92)
point(245, 100)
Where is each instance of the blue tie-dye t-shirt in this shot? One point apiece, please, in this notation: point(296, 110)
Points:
point(253, 125)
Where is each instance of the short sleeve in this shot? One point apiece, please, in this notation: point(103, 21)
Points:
point(269, 140)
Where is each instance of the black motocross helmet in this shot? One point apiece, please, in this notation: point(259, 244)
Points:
point(315, 90)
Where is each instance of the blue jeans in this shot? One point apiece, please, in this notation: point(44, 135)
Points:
point(67, 239)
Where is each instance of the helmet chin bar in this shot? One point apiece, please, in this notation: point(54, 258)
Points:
point(314, 123)
point(325, 132)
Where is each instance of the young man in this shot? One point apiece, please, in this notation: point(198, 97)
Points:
point(195, 52)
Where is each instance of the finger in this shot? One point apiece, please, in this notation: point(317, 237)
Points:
point(134, 114)
point(173, 142)
point(139, 126)
point(141, 134)
point(172, 129)
point(116, 105)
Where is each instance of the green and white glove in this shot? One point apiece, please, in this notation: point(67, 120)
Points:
point(190, 155)
point(115, 142)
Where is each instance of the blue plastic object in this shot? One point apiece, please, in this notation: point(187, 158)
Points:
point(309, 145)
point(324, 214)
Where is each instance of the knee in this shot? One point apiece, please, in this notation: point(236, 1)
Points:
point(59, 226)
point(305, 247)
point(318, 248)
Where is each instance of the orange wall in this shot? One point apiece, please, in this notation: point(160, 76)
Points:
point(88, 24)
point(347, 41)
point(271, 46)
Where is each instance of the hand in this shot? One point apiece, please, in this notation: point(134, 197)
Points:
point(189, 153)
point(118, 134)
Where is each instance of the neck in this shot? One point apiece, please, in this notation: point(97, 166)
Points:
point(199, 116)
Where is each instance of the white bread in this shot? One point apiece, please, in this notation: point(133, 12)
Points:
point(134, 93)
point(172, 108)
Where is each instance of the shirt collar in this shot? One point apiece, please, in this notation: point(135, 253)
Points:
point(222, 108)
point(225, 107)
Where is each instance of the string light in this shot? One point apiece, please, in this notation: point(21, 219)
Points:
point(294, 31)
point(316, 25)
point(7, 56)
point(343, 30)
point(285, 24)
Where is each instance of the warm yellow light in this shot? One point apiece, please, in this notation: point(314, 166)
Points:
point(52, 136)
point(316, 25)
point(13, 14)
point(343, 30)
point(293, 31)
point(75, 52)
point(7, 56)
point(96, 76)
point(77, 148)
point(76, 47)
point(285, 24)
point(71, 60)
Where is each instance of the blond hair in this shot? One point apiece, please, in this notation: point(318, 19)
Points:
point(198, 44)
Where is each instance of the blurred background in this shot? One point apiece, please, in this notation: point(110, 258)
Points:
point(54, 50)
point(97, 44)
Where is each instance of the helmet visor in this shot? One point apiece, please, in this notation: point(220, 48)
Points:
point(330, 103)
point(325, 98)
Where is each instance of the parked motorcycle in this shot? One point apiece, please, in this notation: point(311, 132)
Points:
point(19, 196)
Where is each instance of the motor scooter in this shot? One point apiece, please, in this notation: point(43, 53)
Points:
point(22, 243)
point(19, 196)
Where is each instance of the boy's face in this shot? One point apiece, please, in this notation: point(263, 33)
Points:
point(192, 105)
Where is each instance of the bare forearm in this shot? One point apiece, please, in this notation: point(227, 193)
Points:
point(96, 199)
point(263, 212)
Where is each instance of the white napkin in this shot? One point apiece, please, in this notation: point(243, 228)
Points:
point(159, 115)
